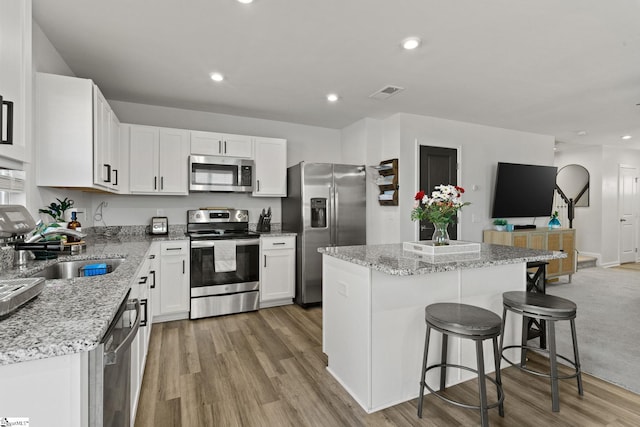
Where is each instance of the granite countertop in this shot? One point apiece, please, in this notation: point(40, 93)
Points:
point(392, 259)
point(72, 315)
point(277, 233)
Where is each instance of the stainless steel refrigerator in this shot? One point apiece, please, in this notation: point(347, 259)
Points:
point(326, 207)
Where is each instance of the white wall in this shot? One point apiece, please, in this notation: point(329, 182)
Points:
point(598, 226)
point(588, 219)
point(480, 148)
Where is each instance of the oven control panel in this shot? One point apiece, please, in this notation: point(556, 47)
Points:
point(201, 216)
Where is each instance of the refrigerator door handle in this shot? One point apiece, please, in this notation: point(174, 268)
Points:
point(336, 224)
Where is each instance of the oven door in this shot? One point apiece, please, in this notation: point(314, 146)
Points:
point(204, 276)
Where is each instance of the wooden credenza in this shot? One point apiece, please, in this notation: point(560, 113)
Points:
point(559, 239)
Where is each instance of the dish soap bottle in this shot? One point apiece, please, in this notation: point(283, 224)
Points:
point(74, 224)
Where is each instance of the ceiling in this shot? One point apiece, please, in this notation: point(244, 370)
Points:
point(552, 67)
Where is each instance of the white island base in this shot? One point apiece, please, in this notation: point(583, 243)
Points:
point(374, 327)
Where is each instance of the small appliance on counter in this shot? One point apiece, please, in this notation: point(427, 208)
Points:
point(264, 222)
point(159, 225)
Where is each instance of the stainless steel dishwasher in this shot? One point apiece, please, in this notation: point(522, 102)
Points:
point(110, 370)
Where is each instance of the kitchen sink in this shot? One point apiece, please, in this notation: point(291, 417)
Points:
point(69, 269)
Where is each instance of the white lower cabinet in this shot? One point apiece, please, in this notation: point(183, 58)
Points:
point(173, 282)
point(49, 391)
point(277, 270)
point(141, 290)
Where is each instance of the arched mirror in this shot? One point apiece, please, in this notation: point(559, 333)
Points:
point(573, 181)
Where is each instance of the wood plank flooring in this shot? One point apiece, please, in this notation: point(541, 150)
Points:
point(266, 368)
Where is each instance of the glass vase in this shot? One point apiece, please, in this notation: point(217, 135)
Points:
point(440, 234)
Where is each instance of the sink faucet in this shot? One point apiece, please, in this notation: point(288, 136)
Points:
point(55, 231)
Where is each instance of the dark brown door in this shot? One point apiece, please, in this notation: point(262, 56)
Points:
point(437, 166)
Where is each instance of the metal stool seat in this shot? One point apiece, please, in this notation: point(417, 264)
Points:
point(548, 308)
point(470, 322)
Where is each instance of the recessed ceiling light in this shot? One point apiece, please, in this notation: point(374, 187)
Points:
point(217, 77)
point(411, 43)
point(332, 97)
point(582, 132)
point(626, 137)
point(245, 1)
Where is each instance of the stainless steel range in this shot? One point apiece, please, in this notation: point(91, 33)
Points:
point(225, 262)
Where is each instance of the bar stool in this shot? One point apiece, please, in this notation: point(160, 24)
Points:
point(470, 322)
point(550, 309)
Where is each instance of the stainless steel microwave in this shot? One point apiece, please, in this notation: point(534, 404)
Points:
point(214, 173)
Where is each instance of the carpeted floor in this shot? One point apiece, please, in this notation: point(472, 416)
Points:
point(608, 301)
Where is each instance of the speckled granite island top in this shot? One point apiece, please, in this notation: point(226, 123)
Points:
point(72, 315)
point(392, 259)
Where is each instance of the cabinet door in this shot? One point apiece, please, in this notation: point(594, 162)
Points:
point(174, 278)
point(221, 144)
point(270, 167)
point(553, 244)
point(174, 161)
point(568, 246)
point(114, 152)
point(520, 240)
point(277, 270)
point(15, 77)
point(143, 157)
point(237, 146)
point(101, 141)
point(537, 241)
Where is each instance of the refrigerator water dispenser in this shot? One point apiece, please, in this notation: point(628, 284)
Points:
point(318, 212)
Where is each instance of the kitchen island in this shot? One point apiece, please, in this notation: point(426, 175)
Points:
point(373, 313)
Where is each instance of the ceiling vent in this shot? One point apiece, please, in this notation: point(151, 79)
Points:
point(386, 92)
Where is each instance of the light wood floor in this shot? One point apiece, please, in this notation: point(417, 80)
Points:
point(267, 368)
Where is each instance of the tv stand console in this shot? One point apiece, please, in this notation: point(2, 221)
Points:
point(557, 239)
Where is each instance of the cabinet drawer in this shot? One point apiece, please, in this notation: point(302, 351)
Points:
point(270, 243)
point(175, 248)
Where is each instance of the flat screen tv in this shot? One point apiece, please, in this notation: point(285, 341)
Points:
point(523, 190)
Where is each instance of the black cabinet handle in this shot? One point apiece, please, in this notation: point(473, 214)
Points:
point(143, 302)
point(153, 283)
point(155, 182)
point(108, 166)
point(115, 177)
point(162, 182)
point(183, 266)
point(143, 280)
point(265, 261)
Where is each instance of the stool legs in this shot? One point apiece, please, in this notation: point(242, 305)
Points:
point(576, 357)
point(555, 399)
point(482, 386)
point(424, 371)
point(496, 358)
point(524, 337)
point(443, 360)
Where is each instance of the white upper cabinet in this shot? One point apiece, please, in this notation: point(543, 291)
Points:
point(15, 76)
point(158, 160)
point(221, 144)
point(270, 167)
point(106, 138)
point(73, 134)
